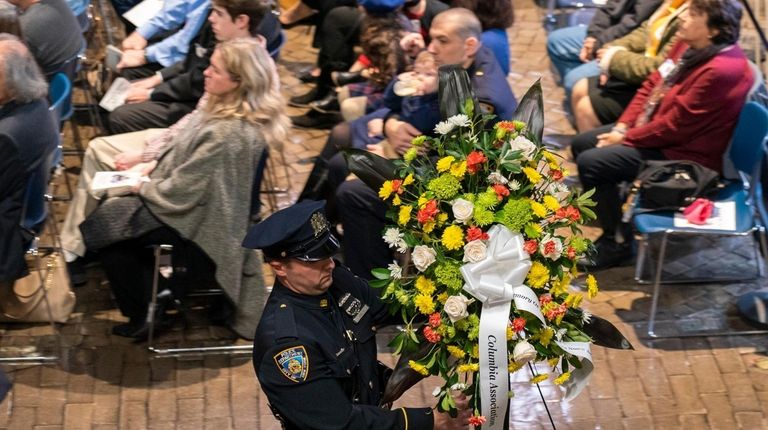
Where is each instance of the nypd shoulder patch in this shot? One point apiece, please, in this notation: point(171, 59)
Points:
point(293, 363)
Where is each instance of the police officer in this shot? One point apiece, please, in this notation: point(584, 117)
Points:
point(315, 347)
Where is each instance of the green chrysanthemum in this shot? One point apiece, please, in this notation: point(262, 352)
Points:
point(579, 244)
point(515, 214)
point(482, 217)
point(445, 186)
point(487, 199)
point(449, 274)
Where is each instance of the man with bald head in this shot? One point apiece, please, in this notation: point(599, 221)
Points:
point(455, 39)
point(28, 135)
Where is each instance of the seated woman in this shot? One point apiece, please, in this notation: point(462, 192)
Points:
point(686, 114)
point(624, 64)
point(198, 198)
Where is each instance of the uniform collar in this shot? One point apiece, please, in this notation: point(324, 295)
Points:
point(322, 301)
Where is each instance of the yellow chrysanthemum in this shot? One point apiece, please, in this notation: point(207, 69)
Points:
point(428, 226)
point(423, 200)
point(574, 300)
point(418, 368)
point(560, 380)
point(552, 158)
point(591, 286)
point(410, 154)
point(456, 351)
point(396, 200)
point(561, 285)
point(405, 215)
point(424, 304)
point(408, 179)
point(453, 238)
point(539, 378)
point(385, 190)
point(551, 203)
point(475, 351)
point(536, 228)
point(424, 285)
point(546, 336)
point(470, 367)
point(444, 164)
point(418, 140)
point(442, 217)
point(553, 361)
point(459, 169)
point(443, 297)
point(514, 367)
point(538, 275)
point(533, 176)
point(538, 209)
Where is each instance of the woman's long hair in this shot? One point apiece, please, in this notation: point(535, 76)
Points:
point(257, 96)
point(380, 40)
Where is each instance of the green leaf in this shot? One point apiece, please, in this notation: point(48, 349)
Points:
point(531, 111)
point(378, 283)
point(469, 107)
point(380, 273)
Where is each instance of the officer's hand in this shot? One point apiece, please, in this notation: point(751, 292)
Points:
point(400, 133)
point(443, 421)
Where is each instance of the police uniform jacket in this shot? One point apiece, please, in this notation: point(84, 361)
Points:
point(490, 85)
point(315, 358)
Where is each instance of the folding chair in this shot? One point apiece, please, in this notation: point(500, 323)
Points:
point(747, 148)
point(60, 99)
point(163, 259)
point(36, 216)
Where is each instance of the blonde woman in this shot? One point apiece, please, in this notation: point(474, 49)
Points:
point(198, 197)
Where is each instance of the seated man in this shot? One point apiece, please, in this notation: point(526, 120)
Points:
point(170, 50)
point(23, 92)
point(164, 98)
point(50, 30)
point(455, 37)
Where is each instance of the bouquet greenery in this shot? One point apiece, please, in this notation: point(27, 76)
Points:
point(482, 174)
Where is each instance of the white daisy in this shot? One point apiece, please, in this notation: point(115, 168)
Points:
point(443, 127)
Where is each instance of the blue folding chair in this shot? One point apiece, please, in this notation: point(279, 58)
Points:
point(747, 148)
point(60, 99)
point(281, 39)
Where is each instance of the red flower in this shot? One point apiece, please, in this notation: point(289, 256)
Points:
point(506, 125)
point(557, 175)
point(434, 320)
point(550, 248)
point(474, 160)
point(556, 311)
point(475, 233)
point(501, 191)
point(428, 212)
point(530, 246)
point(518, 324)
point(572, 213)
point(431, 335)
point(571, 252)
point(544, 299)
point(477, 420)
point(396, 184)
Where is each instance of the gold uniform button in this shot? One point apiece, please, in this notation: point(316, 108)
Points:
point(479, 73)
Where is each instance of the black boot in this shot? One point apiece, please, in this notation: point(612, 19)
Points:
point(317, 185)
point(608, 253)
point(323, 88)
point(317, 120)
point(346, 78)
point(327, 104)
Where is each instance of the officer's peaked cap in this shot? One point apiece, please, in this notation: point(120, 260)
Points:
point(300, 231)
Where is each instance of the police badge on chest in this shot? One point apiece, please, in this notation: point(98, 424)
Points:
point(353, 307)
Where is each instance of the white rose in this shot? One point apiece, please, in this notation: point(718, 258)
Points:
point(475, 251)
point(525, 146)
point(423, 256)
point(459, 120)
point(456, 307)
point(462, 210)
point(523, 352)
point(551, 247)
point(443, 127)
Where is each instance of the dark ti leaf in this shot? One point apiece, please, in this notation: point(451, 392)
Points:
point(372, 169)
point(531, 111)
point(403, 377)
point(454, 90)
point(604, 333)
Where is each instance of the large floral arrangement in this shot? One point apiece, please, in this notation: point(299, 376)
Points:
point(443, 208)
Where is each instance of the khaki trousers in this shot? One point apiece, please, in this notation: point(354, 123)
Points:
point(99, 157)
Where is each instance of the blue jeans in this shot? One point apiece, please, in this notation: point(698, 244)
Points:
point(563, 46)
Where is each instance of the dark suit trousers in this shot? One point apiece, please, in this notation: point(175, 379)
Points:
point(150, 114)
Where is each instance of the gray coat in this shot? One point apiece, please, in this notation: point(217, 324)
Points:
point(202, 189)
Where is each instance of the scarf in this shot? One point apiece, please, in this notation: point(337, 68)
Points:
point(691, 59)
point(659, 21)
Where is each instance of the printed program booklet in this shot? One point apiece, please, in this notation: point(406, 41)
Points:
point(116, 183)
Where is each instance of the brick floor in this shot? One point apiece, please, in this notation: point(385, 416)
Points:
point(106, 382)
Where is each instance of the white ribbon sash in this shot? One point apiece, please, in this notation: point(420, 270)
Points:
point(579, 377)
point(496, 282)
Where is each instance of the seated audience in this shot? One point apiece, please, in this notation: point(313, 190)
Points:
point(496, 16)
point(198, 197)
point(23, 147)
point(51, 32)
point(162, 99)
point(688, 113)
point(572, 49)
point(455, 37)
point(624, 64)
point(187, 17)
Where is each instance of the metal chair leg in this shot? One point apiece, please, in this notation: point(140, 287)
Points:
point(642, 248)
point(657, 285)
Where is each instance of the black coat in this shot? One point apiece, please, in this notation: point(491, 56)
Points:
point(27, 133)
point(619, 17)
point(318, 365)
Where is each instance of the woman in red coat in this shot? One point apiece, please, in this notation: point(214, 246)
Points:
point(686, 110)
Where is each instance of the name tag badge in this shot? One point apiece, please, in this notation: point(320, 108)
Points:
point(666, 68)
